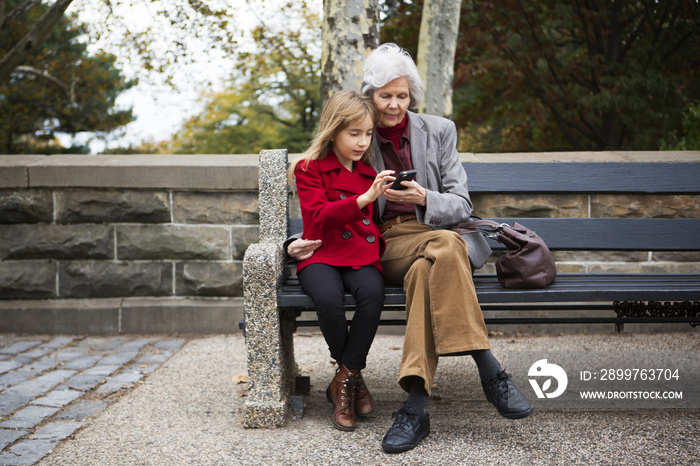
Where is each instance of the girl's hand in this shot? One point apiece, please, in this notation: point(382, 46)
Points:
point(414, 193)
point(379, 186)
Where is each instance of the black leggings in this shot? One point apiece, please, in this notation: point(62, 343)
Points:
point(326, 285)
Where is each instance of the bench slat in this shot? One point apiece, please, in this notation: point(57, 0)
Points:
point(583, 177)
point(566, 288)
point(605, 234)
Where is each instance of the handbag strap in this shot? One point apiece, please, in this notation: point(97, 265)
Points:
point(488, 228)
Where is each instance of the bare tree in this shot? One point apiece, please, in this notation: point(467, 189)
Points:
point(437, 43)
point(350, 32)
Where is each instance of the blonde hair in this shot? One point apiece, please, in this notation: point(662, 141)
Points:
point(341, 110)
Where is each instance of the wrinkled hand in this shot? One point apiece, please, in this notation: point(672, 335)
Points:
point(414, 193)
point(302, 249)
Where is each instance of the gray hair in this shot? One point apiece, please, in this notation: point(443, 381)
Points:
point(388, 62)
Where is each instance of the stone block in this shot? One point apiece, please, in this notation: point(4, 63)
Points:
point(209, 279)
point(648, 267)
point(26, 206)
point(60, 316)
point(522, 205)
point(99, 279)
point(112, 206)
point(645, 206)
point(216, 208)
point(600, 256)
point(241, 238)
point(13, 170)
point(673, 256)
point(163, 242)
point(27, 280)
point(42, 241)
point(237, 172)
point(189, 315)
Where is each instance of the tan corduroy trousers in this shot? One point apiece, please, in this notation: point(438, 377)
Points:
point(443, 316)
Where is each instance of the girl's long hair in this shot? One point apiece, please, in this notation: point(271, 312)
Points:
point(341, 110)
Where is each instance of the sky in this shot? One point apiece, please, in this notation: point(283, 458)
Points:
point(159, 109)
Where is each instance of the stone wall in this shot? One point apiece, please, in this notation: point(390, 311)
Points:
point(155, 243)
point(132, 235)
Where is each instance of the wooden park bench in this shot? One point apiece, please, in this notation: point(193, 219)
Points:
point(275, 305)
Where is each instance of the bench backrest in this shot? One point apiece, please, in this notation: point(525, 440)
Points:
point(641, 234)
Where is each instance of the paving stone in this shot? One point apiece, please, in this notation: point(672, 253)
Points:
point(40, 385)
point(13, 378)
point(27, 452)
point(59, 342)
point(19, 347)
point(120, 358)
point(155, 357)
point(56, 430)
point(84, 382)
point(70, 353)
point(83, 409)
point(8, 436)
point(37, 352)
point(137, 345)
point(29, 417)
point(58, 398)
point(121, 381)
point(102, 370)
point(82, 362)
point(172, 344)
point(41, 365)
point(6, 366)
point(12, 402)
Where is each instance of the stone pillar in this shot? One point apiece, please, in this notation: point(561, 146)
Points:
point(268, 334)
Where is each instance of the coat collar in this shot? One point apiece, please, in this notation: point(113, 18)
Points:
point(346, 180)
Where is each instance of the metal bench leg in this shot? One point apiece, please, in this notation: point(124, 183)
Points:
point(268, 336)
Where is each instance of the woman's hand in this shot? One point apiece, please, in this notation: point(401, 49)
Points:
point(302, 249)
point(414, 193)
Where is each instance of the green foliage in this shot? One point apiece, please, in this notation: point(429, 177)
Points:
point(60, 89)
point(273, 100)
point(573, 75)
point(690, 139)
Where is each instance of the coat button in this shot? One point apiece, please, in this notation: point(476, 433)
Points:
point(366, 221)
point(342, 196)
point(346, 235)
point(371, 239)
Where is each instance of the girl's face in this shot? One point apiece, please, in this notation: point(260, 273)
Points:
point(392, 101)
point(351, 143)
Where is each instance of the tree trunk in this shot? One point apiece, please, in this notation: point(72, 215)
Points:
point(30, 42)
point(437, 43)
point(350, 32)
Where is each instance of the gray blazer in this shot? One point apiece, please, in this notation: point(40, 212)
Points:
point(436, 161)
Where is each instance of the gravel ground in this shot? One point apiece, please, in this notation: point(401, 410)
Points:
point(189, 412)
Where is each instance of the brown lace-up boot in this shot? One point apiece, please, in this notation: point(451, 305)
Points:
point(341, 392)
point(364, 403)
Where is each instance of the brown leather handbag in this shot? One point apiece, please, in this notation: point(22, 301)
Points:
point(528, 262)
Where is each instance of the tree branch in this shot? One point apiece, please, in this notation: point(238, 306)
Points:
point(43, 74)
point(33, 39)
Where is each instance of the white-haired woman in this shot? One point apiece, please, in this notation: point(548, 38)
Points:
point(432, 262)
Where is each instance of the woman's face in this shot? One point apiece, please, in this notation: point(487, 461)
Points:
point(392, 101)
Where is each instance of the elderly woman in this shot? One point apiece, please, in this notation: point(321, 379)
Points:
point(443, 316)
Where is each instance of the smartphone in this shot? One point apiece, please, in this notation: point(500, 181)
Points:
point(408, 175)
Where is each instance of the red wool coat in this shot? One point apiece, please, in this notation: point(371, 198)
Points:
point(328, 197)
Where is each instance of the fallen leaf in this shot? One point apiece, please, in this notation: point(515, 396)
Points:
point(240, 378)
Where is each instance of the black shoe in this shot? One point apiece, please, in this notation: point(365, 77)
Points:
point(406, 432)
point(506, 397)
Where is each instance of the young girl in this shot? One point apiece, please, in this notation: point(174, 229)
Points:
point(337, 186)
